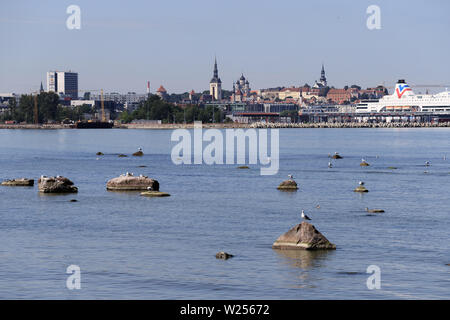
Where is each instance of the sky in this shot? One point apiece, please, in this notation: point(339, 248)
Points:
point(123, 44)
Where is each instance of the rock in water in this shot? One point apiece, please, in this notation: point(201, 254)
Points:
point(155, 194)
point(288, 185)
point(223, 255)
point(22, 182)
point(303, 236)
point(361, 189)
point(122, 155)
point(364, 164)
point(56, 185)
point(138, 154)
point(243, 167)
point(132, 183)
point(99, 153)
point(337, 156)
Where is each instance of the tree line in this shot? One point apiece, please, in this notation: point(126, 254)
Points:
point(49, 109)
point(156, 109)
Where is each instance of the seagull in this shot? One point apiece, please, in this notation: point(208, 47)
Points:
point(318, 206)
point(363, 160)
point(290, 176)
point(304, 216)
point(149, 188)
point(330, 165)
point(361, 183)
point(427, 163)
point(139, 149)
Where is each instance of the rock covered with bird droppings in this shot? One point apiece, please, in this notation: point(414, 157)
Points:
point(288, 185)
point(56, 184)
point(22, 182)
point(129, 182)
point(303, 236)
point(223, 255)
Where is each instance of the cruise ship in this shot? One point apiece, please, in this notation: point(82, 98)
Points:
point(404, 100)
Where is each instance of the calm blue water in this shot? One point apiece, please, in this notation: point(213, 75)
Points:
point(129, 246)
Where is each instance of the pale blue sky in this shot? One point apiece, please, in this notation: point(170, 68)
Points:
point(122, 44)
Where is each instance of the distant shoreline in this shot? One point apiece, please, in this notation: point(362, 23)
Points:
point(170, 126)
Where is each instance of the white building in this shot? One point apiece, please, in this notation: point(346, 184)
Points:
point(63, 83)
point(215, 85)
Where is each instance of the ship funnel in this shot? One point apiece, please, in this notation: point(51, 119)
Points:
point(402, 89)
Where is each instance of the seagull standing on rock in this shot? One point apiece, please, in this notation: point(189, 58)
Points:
point(290, 176)
point(304, 216)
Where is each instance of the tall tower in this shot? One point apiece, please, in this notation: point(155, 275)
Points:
point(323, 79)
point(215, 85)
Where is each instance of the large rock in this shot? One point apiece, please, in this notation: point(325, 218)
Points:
point(129, 182)
point(303, 236)
point(56, 184)
point(288, 185)
point(22, 182)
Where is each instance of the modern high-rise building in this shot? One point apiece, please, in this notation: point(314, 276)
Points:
point(215, 85)
point(63, 83)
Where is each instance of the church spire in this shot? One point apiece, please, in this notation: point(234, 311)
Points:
point(216, 73)
point(323, 79)
point(42, 88)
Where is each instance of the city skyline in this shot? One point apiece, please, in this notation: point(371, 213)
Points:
point(176, 48)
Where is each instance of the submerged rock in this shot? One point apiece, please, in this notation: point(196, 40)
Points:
point(128, 182)
point(223, 255)
point(56, 184)
point(152, 193)
point(22, 182)
point(122, 155)
point(361, 189)
point(337, 156)
point(374, 210)
point(364, 164)
point(288, 185)
point(243, 167)
point(99, 154)
point(73, 200)
point(303, 236)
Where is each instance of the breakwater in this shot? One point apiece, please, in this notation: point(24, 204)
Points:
point(350, 125)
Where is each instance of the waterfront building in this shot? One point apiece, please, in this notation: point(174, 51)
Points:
point(63, 83)
point(162, 93)
point(215, 85)
point(339, 96)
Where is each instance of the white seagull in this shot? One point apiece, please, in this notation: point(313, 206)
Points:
point(290, 176)
point(304, 216)
point(427, 163)
point(361, 183)
point(330, 165)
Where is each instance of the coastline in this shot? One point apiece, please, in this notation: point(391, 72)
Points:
point(170, 126)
